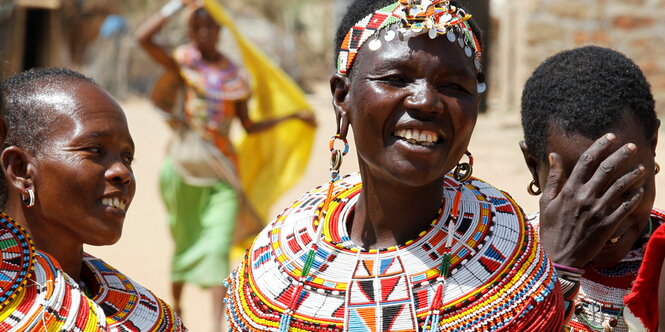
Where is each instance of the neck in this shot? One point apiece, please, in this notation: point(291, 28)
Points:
point(211, 55)
point(388, 214)
point(68, 254)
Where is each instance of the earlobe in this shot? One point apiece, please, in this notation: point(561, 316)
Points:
point(531, 162)
point(17, 167)
point(339, 86)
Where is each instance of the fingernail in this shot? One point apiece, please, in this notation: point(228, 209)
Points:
point(631, 146)
point(550, 158)
point(642, 169)
point(610, 137)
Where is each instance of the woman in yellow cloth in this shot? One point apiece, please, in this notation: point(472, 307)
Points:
point(207, 183)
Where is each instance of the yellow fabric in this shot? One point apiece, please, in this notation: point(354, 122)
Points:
point(272, 161)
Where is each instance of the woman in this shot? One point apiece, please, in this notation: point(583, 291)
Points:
point(69, 182)
point(203, 208)
point(401, 246)
point(590, 133)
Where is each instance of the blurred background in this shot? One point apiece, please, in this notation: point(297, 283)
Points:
point(95, 37)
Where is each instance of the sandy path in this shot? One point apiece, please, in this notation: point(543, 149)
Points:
point(143, 253)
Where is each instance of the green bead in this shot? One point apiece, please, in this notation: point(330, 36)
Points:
point(308, 263)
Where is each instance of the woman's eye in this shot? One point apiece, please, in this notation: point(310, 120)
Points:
point(128, 159)
point(453, 87)
point(94, 149)
point(394, 79)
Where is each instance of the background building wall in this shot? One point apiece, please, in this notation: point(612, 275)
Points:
point(529, 31)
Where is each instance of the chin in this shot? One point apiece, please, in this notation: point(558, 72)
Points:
point(105, 238)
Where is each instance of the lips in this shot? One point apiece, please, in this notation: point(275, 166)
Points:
point(115, 202)
point(417, 136)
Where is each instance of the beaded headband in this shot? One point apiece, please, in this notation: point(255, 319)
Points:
point(437, 17)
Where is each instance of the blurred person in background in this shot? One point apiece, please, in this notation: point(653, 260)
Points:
point(199, 179)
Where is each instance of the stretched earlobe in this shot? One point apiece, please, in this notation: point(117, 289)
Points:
point(18, 169)
point(339, 86)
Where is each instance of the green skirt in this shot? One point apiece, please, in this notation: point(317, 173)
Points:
point(201, 220)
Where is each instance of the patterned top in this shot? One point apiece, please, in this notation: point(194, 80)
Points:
point(128, 306)
point(213, 88)
point(37, 295)
point(50, 300)
point(501, 278)
point(602, 290)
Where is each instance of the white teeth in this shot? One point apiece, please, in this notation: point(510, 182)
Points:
point(115, 203)
point(615, 240)
point(415, 136)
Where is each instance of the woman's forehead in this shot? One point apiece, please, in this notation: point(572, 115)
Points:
point(412, 51)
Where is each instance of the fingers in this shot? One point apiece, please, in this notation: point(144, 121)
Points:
point(624, 209)
point(586, 164)
point(622, 192)
point(555, 179)
point(610, 168)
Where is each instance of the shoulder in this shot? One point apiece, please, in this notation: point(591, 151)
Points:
point(127, 303)
point(186, 54)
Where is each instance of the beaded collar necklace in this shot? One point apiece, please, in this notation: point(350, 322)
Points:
point(462, 174)
point(601, 315)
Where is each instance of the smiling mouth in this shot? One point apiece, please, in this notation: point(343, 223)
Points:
point(417, 137)
point(115, 203)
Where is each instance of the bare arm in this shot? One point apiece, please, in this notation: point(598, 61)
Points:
point(254, 127)
point(144, 35)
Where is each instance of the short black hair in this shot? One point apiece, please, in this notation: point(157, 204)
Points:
point(358, 9)
point(585, 91)
point(29, 118)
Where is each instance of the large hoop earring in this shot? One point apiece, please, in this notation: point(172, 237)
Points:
point(657, 167)
point(30, 200)
point(463, 171)
point(336, 156)
point(531, 191)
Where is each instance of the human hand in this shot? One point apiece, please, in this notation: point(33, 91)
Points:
point(191, 3)
point(578, 215)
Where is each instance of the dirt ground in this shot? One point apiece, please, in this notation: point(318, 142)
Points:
point(144, 251)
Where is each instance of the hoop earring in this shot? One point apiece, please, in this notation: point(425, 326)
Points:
point(531, 191)
point(657, 167)
point(30, 200)
point(463, 171)
point(336, 156)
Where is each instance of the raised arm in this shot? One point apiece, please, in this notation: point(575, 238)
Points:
point(146, 32)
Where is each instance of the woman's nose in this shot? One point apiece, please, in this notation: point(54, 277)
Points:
point(119, 172)
point(424, 97)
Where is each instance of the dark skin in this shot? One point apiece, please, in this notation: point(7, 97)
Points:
point(81, 175)
point(596, 195)
point(204, 33)
point(416, 84)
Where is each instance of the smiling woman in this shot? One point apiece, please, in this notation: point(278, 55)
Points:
point(406, 244)
point(69, 181)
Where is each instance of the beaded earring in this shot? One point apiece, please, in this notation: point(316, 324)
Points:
point(531, 191)
point(319, 217)
point(462, 173)
point(30, 200)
